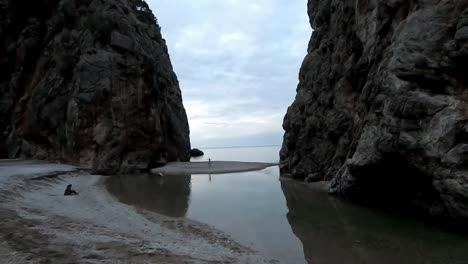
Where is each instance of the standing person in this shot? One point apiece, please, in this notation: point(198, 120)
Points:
point(209, 162)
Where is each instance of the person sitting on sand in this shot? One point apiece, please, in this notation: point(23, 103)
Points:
point(69, 191)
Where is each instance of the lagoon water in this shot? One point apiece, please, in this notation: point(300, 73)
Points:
point(289, 221)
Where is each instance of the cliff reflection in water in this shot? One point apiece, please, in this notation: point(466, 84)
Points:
point(166, 195)
point(333, 231)
point(290, 221)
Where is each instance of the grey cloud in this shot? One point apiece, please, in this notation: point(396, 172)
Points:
point(237, 62)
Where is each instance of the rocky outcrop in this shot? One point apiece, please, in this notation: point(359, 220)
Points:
point(196, 153)
point(382, 105)
point(88, 82)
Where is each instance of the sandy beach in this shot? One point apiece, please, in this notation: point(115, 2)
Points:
point(40, 225)
point(213, 167)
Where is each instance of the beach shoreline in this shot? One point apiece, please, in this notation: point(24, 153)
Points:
point(212, 167)
point(41, 224)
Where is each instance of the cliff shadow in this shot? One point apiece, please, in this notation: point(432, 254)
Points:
point(334, 231)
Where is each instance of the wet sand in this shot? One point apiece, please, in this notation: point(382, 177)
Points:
point(40, 225)
point(215, 167)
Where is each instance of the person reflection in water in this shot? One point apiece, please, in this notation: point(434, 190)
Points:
point(69, 191)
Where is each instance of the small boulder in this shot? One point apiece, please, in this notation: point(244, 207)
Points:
point(196, 153)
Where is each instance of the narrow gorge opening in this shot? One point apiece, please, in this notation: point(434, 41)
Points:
point(237, 63)
point(92, 96)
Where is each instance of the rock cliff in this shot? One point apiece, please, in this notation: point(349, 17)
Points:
point(88, 82)
point(382, 105)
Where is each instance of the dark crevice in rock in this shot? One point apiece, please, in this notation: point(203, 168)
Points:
point(392, 182)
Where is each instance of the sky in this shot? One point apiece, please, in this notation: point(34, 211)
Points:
point(237, 62)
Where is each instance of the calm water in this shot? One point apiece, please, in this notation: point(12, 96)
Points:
point(289, 221)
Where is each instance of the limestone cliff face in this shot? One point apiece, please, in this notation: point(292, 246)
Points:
point(382, 104)
point(88, 82)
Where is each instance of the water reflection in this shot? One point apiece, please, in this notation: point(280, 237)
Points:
point(249, 207)
point(333, 231)
point(168, 196)
point(290, 222)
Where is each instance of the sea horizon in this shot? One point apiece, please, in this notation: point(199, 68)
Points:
point(242, 146)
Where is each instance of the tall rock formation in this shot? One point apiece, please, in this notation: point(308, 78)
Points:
point(382, 104)
point(88, 82)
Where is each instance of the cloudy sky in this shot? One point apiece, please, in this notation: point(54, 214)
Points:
point(237, 62)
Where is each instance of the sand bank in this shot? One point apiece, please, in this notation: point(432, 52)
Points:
point(216, 167)
point(39, 224)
